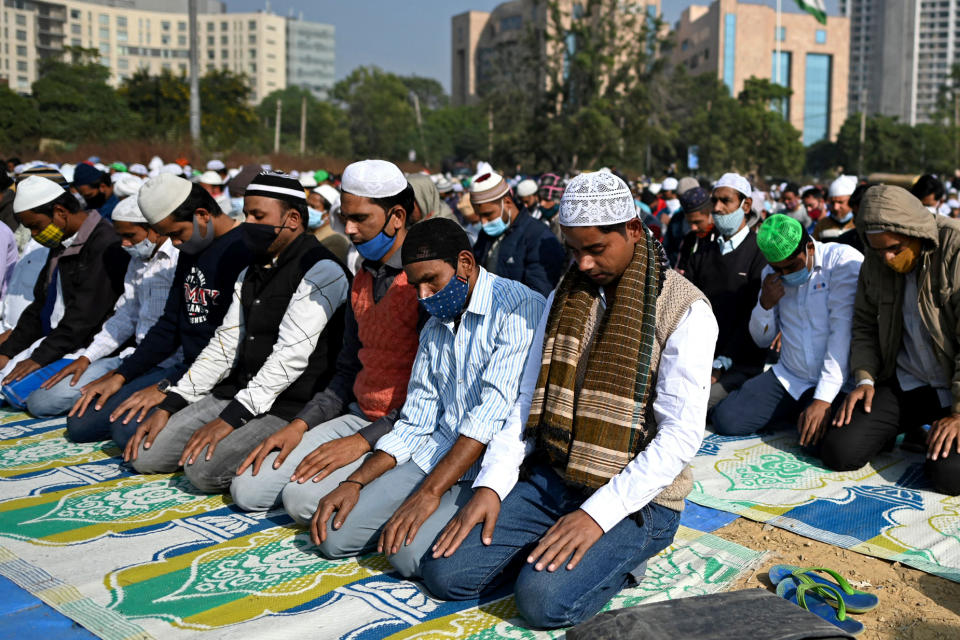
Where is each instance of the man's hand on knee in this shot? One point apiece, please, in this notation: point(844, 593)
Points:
point(483, 507)
point(138, 403)
point(402, 527)
point(329, 457)
point(101, 388)
point(206, 436)
point(573, 534)
point(146, 433)
point(341, 501)
point(284, 441)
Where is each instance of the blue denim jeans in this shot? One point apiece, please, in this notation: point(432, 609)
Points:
point(761, 401)
point(548, 599)
point(95, 425)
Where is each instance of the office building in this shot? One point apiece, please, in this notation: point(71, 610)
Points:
point(484, 42)
point(310, 56)
point(737, 40)
point(130, 36)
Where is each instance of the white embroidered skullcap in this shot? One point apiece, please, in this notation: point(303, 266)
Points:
point(138, 169)
point(373, 179)
point(172, 169)
point(329, 194)
point(160, 196)
point(596, 199)
point(736, 182)
point(127, 185)
point(526, 188)
point(155, 163)
point(655, 187)
point(670, 184)
point(307, 180)
point(216, 165)
point(35, 191)
point(212, 178)
point(843, 186)
point(127, 210)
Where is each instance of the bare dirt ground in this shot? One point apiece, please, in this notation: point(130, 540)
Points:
point(913, 605)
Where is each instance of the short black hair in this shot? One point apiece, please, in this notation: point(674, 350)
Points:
point(857, 195)
point(926, 185)
point(617, 227)
point(813, 192)
point(792, 188)
point(300, 206)
point(66, 200)
point(199, 198)
point(405, 199)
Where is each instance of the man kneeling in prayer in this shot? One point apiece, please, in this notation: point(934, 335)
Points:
point(463, 386)
point(616, 391)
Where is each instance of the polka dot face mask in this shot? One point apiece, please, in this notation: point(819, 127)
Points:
point(447, 304)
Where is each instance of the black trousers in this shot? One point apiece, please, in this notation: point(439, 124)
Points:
point(894, 412)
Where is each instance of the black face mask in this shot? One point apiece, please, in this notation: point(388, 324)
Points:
point(258, 238)
point(96, 201)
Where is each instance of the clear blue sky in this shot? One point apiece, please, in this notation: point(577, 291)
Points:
point(410, 37)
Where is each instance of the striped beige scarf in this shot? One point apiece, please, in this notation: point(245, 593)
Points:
point(595, 434)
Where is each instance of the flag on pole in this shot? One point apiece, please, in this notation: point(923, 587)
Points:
point(816, 8)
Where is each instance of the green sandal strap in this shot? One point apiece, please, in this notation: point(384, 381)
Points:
point(844, 584)
point(821, 589)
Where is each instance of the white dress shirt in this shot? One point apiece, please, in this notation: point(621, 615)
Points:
point(146, 287)
point(917, 364)
point(20, 286)
point(320, 293)
point(815, 320)
point(680, 409)
point(730, 244)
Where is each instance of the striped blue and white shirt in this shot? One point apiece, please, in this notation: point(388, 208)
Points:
point(465, 381)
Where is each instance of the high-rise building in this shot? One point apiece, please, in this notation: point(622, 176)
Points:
point(901, 52)
point(738, 40)
point(130, 36)
point(310, 56)
point(481, 39)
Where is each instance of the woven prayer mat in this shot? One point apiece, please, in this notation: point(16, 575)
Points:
point(887, 509)
point(144, 556)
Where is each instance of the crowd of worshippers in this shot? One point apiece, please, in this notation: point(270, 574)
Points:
point(490, 380)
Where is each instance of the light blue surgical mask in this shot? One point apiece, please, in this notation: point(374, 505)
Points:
point(496, 227)
point(236, 205)
point(728, 224)
point(315, 218)
point(445, 305)
point(796, 278)
point(845, 219)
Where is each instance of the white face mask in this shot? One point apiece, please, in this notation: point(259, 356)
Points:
point(932, 208)
point(143, 249)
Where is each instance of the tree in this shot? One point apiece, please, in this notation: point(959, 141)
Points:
point(429, 91)
point(162, 101)
point(74, 101)
point(225, 108)
point(380, 116)
point(773, 145)
point(19, 122)
point(327, 130)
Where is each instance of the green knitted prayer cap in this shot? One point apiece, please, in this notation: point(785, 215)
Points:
point(779, 236)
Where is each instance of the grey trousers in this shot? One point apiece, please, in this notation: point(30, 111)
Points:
point(378, 502)
point(263, 491)
point(208, 476)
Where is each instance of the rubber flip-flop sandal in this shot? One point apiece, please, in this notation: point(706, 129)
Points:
point(811, 596)
point(855, 600)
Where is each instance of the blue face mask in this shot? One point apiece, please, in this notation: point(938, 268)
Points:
point(549, 212)
point(445, 305)
point(236, 205)
point(377, 246)
point(315, 218)
point(796, 278)
point(845, 219)
point(496, 227)
point(728, 224)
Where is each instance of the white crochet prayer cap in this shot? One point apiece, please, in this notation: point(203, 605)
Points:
point(331, 195)
point(216, 165)
point(212, 178)
point(127, 210)
point(307, 181)
point(160, 196)
point(596, 199)
point(127, 185)
point(373, 179)
point(172, 169)
point(736, 182)
point(670, 184)
point(526, 188)
point(843, 186)
point(35, 191)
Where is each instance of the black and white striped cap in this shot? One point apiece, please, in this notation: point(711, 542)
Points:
point(276, 184)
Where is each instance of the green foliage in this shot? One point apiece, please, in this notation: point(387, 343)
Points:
point(225, 109)
point(380, 116)
point(163, 103)
point(326, 124)
point(19, 121)
point(75, 103)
